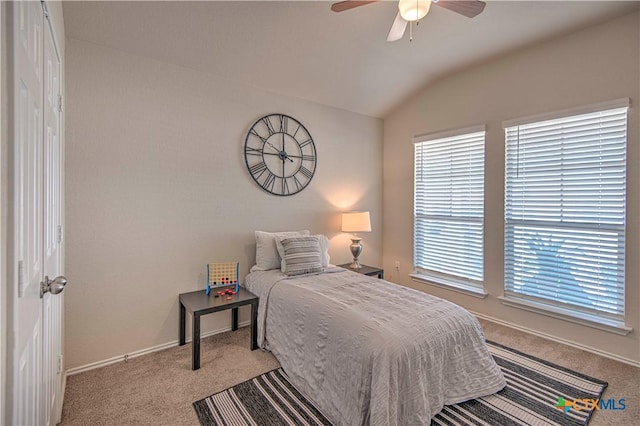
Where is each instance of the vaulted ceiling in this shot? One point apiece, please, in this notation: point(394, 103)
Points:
point(303, 49)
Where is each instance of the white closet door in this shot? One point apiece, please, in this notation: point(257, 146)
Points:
point(36, 218)
point(28, 147)
point(52, 234)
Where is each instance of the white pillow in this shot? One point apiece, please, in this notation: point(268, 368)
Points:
point(324, 251)
point(266, 252)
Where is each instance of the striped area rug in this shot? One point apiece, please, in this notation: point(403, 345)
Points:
point(268, 399)
point(533, 389)
point(530, 397)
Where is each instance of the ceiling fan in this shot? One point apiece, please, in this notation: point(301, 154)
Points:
point(410, 11)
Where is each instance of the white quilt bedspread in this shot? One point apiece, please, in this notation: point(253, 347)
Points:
point(369, 351)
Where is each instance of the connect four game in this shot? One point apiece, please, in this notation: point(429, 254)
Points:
point(222, 275)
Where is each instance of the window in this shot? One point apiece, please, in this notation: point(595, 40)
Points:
point(565, 213)
point(449, 208)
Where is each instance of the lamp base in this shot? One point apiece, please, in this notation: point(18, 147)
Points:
point(356, 249)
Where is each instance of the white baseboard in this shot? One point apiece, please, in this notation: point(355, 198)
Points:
point(141, 352)
point(559, 340)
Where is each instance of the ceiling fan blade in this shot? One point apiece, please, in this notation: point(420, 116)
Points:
point(397, 29)
point(341, 6)
point(468, 8)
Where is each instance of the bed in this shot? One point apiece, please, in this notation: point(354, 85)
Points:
point(368, 351)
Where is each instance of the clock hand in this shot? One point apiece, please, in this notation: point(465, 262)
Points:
point(271, 145)
point(284, 156)
point(282, 153)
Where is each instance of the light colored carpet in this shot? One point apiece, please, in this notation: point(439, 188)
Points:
point(159, 388)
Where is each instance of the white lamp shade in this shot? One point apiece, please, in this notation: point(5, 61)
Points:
point(356, 222)
point(413, 10)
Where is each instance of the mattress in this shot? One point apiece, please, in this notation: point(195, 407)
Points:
point(368, 351)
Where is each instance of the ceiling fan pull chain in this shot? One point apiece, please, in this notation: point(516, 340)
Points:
point(410, 32)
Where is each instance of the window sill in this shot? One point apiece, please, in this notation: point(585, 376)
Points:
point(449, 285)
point(588, 320)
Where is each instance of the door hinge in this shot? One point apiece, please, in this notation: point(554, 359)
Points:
point(20, 278)
point(60, 103)
point(59, 234)
point(59, 364)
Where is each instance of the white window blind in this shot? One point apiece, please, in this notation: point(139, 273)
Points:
point(565, 213)
point(449, 207)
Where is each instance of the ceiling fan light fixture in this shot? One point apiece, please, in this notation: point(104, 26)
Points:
point(413, 10)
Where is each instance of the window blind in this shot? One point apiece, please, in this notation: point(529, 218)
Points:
point(565, 191)
point(449, 207)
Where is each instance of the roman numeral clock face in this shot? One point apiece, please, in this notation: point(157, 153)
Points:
point(280, 154)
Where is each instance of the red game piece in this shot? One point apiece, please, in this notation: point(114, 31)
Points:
point(228, 297)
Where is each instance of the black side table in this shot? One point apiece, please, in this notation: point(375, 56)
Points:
point(366, 270)
point(198, 304)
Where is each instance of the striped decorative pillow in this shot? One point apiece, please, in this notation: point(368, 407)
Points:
point(301, 255)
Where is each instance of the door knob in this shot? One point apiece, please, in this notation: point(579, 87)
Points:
point(54, 286)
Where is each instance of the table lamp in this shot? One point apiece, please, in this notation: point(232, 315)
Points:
point(356, 222)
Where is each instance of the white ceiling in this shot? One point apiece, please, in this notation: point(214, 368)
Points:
point(305, 50)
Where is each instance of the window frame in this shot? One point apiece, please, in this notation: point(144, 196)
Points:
point(612, 323)
point(450, 281)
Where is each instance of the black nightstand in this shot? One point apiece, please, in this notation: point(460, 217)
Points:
point(372, 271)
point(198, 303)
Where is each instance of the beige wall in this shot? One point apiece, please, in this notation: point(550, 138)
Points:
point(157, 187)
point(597, 64)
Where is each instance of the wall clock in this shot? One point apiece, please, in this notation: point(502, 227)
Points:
point(280, 154)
